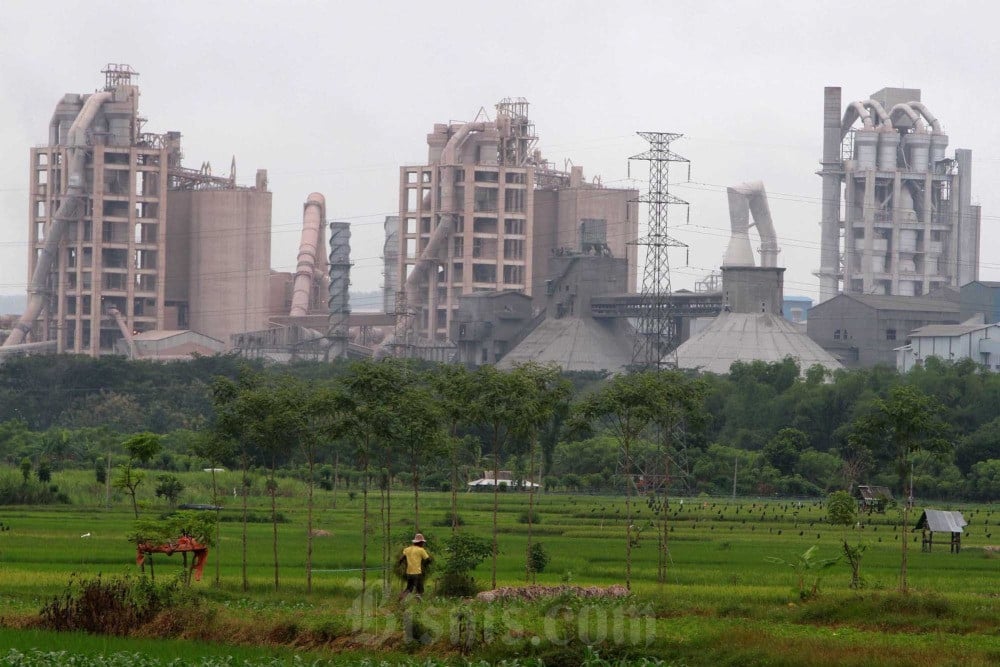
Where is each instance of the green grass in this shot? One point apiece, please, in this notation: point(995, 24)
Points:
point(722, 603)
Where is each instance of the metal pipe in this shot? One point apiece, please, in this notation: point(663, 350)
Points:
point(926, 113)
point(133, 352)
point(901, 108)
point(71, 208)
point(313, 214)
point(745, 200)
point(854, 111)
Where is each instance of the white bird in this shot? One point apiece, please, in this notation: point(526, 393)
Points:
point(85, 535)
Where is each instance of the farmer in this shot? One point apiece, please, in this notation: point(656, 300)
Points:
point(415, 557)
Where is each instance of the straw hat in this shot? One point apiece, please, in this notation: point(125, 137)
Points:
point(418, 538)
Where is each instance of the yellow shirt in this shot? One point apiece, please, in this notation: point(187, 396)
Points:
point(415, 557)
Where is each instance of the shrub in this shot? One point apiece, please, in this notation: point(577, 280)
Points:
point(445, 520)
point(463, 553)
point(538, 558)
point(108, 606)
point(529, 517)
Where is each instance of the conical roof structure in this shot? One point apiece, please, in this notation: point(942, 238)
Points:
point(750, 337)
point(574, 344)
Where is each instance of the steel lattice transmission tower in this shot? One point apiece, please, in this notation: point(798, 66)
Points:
point(655, 339)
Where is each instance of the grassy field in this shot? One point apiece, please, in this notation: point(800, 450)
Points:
point(723, 601)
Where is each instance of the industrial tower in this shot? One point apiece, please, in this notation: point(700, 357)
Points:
point(909, 226)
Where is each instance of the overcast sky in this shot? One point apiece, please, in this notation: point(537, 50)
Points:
point(334, 96)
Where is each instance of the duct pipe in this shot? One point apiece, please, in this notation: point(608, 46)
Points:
point(926, 113)
point(879, 110)
point(854, 111)
point(905, 109)
point(133, 352)
point(71, 208)
point(746, 200)
point(313, 214)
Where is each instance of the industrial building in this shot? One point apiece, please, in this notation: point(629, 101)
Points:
point(908, 225)
point(486, 213)
point(972, 339)
point(124, 240)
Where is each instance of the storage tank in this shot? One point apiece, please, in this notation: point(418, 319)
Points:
point(888, 143)
point(907, 240)
point(939, 142)
point(230, 257)
point(918, 145)
point(865, 146)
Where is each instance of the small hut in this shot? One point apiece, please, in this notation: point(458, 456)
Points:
point(941, 521)
point(873, 498)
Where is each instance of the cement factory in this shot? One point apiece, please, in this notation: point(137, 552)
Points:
point(496, 256)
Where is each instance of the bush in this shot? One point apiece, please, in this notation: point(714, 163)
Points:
point(113, 606)
point(463, 553)
point(538, 558)
point(529, 517)
point(456, 585)
point(445, 520)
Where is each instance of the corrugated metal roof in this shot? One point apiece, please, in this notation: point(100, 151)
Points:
point(750, 337)
point(942, 521)
point(948, 330)
point(869, 492)
point(899, 302)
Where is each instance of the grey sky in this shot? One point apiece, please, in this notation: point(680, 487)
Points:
point(333, 97)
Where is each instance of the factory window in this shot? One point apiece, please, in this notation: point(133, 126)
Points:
point(145, 283)
point(115, 157)
point(145, 233)
point(425, 225)
point(42, 176)
point(411, 226)
point(459, 175)
point(114, 258)
point(513, 275)
point(85, 339)
point(147, 210)
point(513, 200)
point(425, 197)
point(115, 232)
point(513, 226)
point(485, 199)
point(85, 304)
point(442, 318)
point(458, 246)
point(460, 224)
point(115, 209)
point(86, 284)
point(484, 225)
point(39, 209)
point(115, 182)
point(513, 249)
point(890, 334)
point(88, 231)
point(39, 231)
point(487, 177)
point(71, 281)
point(515, 177)
point(411, 199)
point(484, 273)
point(425, 176)
point(484, 248)
point(145, 259)
point(457, 272)
point(43, 159)
point(71, 305)
point(411, 177)
point(71, 258)
point(88, 257)
point(114, 281)
point(411, 247)
point(836, 334)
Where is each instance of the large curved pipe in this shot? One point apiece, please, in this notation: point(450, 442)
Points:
point(926, 113)
point(854, 111)
point(745, 200)
point(879, 110)
point(313, 214)
point(133, 352)
point(908, 111)
point(71, 208)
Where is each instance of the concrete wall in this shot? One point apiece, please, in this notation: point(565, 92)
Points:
point(980, 297)
point(753, 289)
point(230, 261)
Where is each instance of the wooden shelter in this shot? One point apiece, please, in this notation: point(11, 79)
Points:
point(873, 498)
point(941, 521)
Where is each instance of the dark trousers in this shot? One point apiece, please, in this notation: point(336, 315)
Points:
point(415, 583)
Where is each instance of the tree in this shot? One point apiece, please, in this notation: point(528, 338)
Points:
point(906, 422)
point(421, 437)
point(140, 448)
point(26, 469)
point(498, 407)
point(784, 449)
point(453, 386)
point(169, 487)
point(214, 448)
point(627, 405)
point(842, 510)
